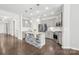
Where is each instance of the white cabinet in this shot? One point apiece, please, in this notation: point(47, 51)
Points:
point(58, 33)
point(49, 34)
point(36, 39)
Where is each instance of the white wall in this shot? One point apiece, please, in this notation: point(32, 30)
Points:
point(74, 26)
point(70, 25)
point(66, 27)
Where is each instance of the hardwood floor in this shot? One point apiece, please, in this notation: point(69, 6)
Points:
point(10, 45)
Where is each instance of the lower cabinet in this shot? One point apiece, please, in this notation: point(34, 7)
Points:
point(37, 40)
point(56, 36)
point(59, 37)
point(49, 34)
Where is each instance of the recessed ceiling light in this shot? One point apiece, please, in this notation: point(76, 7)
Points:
point(38, 20)
point(26, 22)
point(46, 8)
point(5, 17)
point(37, 11)
point(31, 13)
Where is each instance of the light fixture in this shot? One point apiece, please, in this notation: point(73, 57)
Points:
point(26, 22)
point(31, 14)
point(46, 8)
point(6, 17)
point(38, 20)
point(37, 11)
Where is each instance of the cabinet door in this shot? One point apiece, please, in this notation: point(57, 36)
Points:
point(49, 34)
point(59, 35)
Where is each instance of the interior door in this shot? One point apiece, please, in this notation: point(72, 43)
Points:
point(2, 28)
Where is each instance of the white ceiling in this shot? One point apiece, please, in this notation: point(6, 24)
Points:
point(35, 11)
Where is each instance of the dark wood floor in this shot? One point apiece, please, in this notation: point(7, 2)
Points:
point(10, 45)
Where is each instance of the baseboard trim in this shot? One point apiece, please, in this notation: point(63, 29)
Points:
point(70, 48)
point(75, 49)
